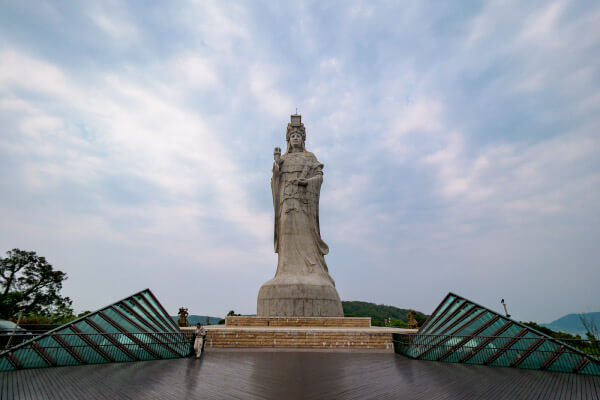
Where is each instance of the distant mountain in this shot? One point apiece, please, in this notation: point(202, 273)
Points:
point(378, 312)
point(194, 319)
point(572, 324)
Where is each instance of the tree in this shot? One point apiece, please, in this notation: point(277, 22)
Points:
point(28, 283)
point(592, 330)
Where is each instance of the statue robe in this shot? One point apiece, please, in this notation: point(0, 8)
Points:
point(297, 234)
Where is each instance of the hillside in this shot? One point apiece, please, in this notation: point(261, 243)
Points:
point(194, 319)
point(378, 312)
point(572, 324)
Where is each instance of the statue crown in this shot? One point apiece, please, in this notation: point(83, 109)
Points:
point(295, 125)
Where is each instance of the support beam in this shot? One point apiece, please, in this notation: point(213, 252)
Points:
point(552, 357)
point(68, 348)
point(521, 357)
point(486, 341)
point(13, 360)
point(427, 326)
point(157, 313)
point(163, 327)
point(470, 337)
point(452, 314)
point(84, 336)
point(144, 330)
point(581, 364)
point(131, 336)
point(111, 339)
point(470, 310)
point(460, 328)
point(506, 346)
point(43, 354)
point(164, 312)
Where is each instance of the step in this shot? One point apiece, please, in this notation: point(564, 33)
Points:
point(228, 337)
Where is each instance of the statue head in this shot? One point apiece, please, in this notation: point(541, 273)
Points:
point(296, 134)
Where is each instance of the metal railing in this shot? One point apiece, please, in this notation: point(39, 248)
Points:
point(539, 352)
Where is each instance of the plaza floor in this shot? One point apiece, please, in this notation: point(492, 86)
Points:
point(293, 375)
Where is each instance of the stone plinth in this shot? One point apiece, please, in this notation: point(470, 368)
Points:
point(279, 298)
point(326, 322)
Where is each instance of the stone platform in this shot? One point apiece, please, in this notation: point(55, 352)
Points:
point(307, 333)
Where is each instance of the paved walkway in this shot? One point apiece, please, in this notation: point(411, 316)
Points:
point(294, 375)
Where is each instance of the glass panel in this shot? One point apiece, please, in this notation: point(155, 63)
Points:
point(505, 349)
point(473, 325)
point(165, 319)
point(443, 322)
point(86, 351)
point(150, 318)
point(5, 365)
point(57, 352)
point(138, 317)
point(97, 347)
point(565, 362)
point(163, 325)
point(515, 350)
point(101, 322)
point(440, 312)
point(30, 359)
point(591, 369)
point(122, 322)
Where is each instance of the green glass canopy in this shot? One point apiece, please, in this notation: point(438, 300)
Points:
point(134, 329)
point(462, 331)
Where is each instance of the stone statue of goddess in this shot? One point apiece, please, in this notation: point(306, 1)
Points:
point(302, 285)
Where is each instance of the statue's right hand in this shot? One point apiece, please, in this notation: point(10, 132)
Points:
point(277, 154)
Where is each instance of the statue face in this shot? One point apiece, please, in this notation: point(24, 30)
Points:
point(296, 140)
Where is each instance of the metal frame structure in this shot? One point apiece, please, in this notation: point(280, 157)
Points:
point(462, 331)
point(133, 329)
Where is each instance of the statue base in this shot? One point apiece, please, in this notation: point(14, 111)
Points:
point(277, 299)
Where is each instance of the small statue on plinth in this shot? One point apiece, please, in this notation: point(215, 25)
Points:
point(302, 286)
point(183, 314)
point(412, 322)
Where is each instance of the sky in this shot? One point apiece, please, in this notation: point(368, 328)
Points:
point(460, 141)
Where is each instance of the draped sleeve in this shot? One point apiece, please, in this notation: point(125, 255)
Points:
point(313, 190)
point(275, 192)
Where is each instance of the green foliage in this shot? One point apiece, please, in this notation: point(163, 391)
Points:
point(28, 283)
point(379, 312)
point(550, 332)
point(396, 323)
point(591, 346)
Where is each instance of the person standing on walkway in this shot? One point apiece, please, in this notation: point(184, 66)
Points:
point(200, 334)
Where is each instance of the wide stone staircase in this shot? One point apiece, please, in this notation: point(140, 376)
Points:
point(325, 333)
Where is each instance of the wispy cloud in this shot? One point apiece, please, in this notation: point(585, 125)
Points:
point(459, 144)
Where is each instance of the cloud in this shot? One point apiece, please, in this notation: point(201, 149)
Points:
point(142, 132)
point(459, 143)
point(113, 19)
point(271, 99)
point(541, 24)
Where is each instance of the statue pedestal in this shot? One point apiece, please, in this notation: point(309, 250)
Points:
point(278, 298)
